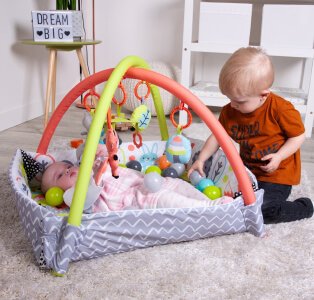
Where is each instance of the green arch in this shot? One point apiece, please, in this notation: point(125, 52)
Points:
point(77, 206)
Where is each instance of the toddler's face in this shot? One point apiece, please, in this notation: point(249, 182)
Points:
point(246, 104)
point(60, 174)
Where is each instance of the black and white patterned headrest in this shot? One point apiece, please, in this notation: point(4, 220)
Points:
point(31, 166)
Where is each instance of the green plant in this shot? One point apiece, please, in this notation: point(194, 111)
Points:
point(66, 4)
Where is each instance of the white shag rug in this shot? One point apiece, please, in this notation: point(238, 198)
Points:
point(239, 266)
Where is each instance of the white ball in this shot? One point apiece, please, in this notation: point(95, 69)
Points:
point(152, 182)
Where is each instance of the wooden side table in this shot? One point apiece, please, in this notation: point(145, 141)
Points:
point(53, 47)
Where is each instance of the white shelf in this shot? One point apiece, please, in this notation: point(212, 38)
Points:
point(209, 93)
point(302, 101)
point(273, 51)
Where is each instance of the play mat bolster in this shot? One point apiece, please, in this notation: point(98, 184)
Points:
point(56, 243)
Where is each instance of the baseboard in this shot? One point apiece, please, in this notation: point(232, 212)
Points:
point(18, 115)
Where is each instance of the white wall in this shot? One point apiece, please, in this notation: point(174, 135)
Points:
point(23, 75)
point(150, 29)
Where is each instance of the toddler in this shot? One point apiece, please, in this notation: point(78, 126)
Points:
point(268, 129)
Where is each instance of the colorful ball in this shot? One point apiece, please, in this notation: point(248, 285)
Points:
point(180, 168)
point(212, 192)
point(135, 165)
point(203, 183)
point(163, 162)
point(195, 178)
point(170, 172)
point(54, 196)
point(151, 169)
point(153, 182)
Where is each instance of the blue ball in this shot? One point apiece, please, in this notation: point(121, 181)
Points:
point(170, 172)
point(195, 178)
point(135, 165)
point(204, 183)
point(180, 168)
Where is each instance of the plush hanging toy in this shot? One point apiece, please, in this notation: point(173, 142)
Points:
point(178, 149)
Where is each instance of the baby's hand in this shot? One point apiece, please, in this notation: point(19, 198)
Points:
point(101, 150)
point(198, 166)
point(274, 160)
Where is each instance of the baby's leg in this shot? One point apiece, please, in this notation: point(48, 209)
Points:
point(168, 198)
point(183, 188)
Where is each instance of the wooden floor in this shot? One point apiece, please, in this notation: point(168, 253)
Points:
point(27, 136)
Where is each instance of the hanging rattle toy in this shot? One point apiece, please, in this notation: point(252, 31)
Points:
point(178, 147)
point(120, 121)
point(112, 144)
point(141, 116)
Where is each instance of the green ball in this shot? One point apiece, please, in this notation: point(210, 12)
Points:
point(54, 196)
point(212, 192)
point(151, 169)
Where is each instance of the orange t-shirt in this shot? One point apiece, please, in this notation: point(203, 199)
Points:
point(264, 131)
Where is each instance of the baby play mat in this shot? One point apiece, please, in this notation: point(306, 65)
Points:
point(59, 237)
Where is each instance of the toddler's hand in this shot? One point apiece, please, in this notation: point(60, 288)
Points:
point(197, 166)
point(274, 160)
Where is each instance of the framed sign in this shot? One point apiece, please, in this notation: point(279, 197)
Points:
point(57, 25)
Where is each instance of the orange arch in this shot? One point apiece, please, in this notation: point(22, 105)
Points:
point(178, 91)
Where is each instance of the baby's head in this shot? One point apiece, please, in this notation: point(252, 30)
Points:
point(60, 174)
point(247, 74)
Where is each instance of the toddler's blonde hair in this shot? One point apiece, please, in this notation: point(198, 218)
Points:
point(247, 72)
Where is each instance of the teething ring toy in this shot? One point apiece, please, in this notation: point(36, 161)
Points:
point(138, 143)
point(176, 109)
point(136, 90)
point(114, 100)
point(90, 93)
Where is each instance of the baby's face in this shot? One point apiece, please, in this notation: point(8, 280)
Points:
point(60, 174)
point(246, 104)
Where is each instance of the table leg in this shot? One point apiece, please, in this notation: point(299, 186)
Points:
point(82, 62)
point(51, 72)
point(84, 69)
point(54, 84)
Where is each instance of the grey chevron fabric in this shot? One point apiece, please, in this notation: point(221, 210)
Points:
point(56, 243)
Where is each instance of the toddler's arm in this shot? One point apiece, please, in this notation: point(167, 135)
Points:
point(209, 148)
point(287, 149)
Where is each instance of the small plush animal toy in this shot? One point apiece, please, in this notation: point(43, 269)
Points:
point(178, 149)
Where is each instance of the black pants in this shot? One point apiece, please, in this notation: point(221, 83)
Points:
point(277, 209)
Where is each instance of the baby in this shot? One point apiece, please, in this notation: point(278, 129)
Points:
point(126, 192)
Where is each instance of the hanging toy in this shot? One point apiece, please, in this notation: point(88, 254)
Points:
point(121, 123)
point(178, 147)
point(112, 144)
point(141, 116)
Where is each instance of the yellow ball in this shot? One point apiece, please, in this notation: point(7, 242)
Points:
point(54, 196)
point(151, 169)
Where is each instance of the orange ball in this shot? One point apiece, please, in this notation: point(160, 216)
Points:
point(163, 162)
